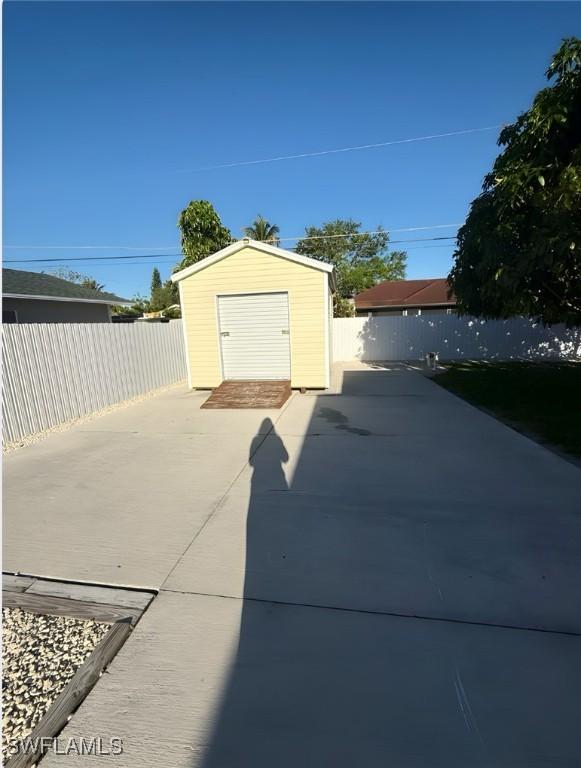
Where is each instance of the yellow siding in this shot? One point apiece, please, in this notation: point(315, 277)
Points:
point(250, 271)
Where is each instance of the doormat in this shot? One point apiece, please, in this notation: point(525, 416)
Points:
point(249, 394)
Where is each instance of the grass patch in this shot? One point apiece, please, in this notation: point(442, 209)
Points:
point(543, 399)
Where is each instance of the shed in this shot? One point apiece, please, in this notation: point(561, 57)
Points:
point(253, 311)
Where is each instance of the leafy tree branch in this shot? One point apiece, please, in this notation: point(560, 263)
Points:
point(519, 252)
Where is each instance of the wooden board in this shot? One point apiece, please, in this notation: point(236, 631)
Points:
point(249, 394)
point(125, 598)
point(11, 583)
point(61, 606)
point(73, 694)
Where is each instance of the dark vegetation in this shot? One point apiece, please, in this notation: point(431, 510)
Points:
point(540, 399)
point(519, 252)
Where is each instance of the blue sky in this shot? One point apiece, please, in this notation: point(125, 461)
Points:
point(107, 106)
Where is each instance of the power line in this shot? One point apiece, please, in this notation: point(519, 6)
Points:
point(341, 149)
point(173, 256)
point(96, 258)
point(66, 264)
point(421, 247)
point(171, 259)
point(90, 247)
point(170, 247)
point(377, 232)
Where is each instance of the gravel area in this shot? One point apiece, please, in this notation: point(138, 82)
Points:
point(40, 654)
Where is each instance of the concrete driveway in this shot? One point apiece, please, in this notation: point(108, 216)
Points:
point(384, 576)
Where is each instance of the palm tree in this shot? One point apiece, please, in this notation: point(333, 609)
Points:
point(263, 230)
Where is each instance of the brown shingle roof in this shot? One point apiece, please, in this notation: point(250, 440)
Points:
point(406, 293)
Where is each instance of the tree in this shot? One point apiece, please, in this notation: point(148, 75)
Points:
point(75, 277)
point(139, 306)
point(360, 259)
point(263, 230)
point(202, 232)
point(155, 280)
point(519, 252)
point(164, 296)
point(159, 295)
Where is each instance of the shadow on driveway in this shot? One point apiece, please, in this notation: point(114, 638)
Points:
point(407, 596)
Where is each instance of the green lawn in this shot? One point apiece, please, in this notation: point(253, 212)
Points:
point(542, 399)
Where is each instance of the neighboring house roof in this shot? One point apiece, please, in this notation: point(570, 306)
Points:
point(406, 293)
point(18, 284)
point(259, 246)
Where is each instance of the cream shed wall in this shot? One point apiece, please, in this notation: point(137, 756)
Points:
point(252, 271)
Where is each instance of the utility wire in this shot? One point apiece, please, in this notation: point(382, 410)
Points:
point(341, 149)
point(389, 231)
point(172, 259)
point(170, 247)
point(376, 232)
point(96, 258)
point(90, 247)
point(161, 262)
point(173, 256)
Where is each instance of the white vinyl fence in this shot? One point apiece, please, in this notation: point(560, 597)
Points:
point(56, 372)
point(452, 338)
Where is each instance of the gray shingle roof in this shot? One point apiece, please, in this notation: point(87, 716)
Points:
point(21, 283)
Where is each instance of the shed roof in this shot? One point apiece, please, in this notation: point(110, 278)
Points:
point(259, 246)
point(407, 293)
point(16, 283)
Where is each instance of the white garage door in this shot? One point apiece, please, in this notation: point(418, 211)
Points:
point(254, 336)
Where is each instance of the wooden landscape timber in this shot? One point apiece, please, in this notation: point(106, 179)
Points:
point(121, 610)
point(62, 606)
point(73, 694)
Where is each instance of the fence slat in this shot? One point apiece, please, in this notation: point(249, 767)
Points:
point(452, 338)
point(59, 371)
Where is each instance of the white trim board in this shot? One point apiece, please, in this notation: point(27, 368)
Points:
point(327, 333)
point(185, 335)
point(64, 298)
